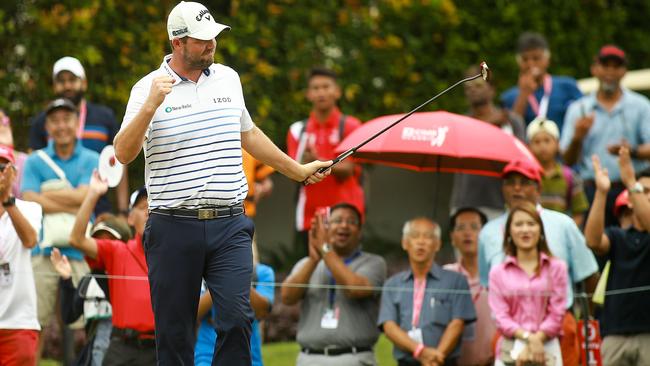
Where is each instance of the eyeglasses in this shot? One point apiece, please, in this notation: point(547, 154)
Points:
point(463, 227)
point(340, 221)
point(3, 166)
point(524, 182)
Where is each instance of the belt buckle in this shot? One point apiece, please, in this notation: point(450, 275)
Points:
point(207, 213)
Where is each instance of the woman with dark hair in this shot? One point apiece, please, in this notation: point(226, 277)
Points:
point(528, 293)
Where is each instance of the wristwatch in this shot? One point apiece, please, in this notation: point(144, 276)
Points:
point(11, 201)
point(325, 249)
point(637, 188)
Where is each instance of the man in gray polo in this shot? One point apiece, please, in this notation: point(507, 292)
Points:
point(426, 324)
point(337, 326)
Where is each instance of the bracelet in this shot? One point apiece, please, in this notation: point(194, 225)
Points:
point(418, 350)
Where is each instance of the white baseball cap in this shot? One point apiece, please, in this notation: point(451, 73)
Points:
point(71, 64)
point(190, 19)
point(542, 125)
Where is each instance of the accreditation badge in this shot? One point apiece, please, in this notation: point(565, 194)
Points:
point(6, 277)
point(416, 335)
point(330, 319)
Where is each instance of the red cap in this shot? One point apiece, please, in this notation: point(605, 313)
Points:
point(622, 201)
point(524, 167)
point(611, 52)
point(7, 152)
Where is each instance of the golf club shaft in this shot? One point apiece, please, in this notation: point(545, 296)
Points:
point(354, 149)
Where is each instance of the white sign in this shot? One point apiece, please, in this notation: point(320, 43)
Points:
point(435, 136)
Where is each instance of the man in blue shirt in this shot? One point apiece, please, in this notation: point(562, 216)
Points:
point(426, 324)
point(537, 92)
point(97, 126)
point(601, 122)
point(77, 164)
point(522, 183)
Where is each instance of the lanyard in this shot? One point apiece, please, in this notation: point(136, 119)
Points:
point(83, 110)
point(540, 109)
point(418, 298)
point(332, 291)
point(463, 271)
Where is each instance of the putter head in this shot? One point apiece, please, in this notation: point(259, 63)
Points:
point(485, 71)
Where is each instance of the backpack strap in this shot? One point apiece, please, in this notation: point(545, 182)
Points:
point(342, 126)
point(57, 170)
point(568, 178)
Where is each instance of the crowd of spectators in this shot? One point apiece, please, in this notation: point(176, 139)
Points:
point(526, 243)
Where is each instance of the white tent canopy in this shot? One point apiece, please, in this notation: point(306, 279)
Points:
point(634, 80)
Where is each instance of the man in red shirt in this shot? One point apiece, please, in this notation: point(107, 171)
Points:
point(132, 339)
point(316, 138)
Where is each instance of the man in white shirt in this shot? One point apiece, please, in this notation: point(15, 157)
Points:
point(20, 222)
point(191, 119)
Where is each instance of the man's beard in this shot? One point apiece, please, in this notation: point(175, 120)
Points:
point(75, 98)
point(609, 88)
point(197, 63)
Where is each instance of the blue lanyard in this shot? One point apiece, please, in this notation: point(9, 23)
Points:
point(332, 291)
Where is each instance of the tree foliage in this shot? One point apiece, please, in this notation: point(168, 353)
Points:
point(390, 54)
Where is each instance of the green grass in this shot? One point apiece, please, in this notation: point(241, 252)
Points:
point(285, 353)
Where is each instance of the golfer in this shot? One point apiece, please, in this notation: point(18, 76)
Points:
point(191, 118)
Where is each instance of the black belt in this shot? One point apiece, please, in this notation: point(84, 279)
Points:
point(133, 337)
point(335, 351)
point(207, 213)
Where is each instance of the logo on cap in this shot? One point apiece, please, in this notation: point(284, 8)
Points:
point(201, 14)
point(179, 31)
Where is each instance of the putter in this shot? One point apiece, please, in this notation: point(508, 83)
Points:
point(485, 74)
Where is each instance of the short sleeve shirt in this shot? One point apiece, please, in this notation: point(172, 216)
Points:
point(18, 300)
point(564, 239)
point(324, 138)
point(255, 171)
point(564, 91)
point(629, 120)
point(629, 253)
point(356, 325)
point(78, 169)
point(131, 299)
point(192, 147)
point(99, 129)
point(558, 196)
point(447, 297)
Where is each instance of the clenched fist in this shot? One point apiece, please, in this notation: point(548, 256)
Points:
point(160, 87)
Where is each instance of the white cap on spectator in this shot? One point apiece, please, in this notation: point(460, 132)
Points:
point(71, 64)
point(190, 19)
point(542, 125)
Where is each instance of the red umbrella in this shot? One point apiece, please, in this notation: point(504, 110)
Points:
point(437, 141)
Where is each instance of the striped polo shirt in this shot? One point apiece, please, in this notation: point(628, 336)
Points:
point(192, 147)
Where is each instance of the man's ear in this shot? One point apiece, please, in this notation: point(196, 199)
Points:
point(404, 244)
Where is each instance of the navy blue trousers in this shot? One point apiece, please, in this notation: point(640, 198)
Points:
point(181, 251)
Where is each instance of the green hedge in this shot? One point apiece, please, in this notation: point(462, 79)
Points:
point(391, 55)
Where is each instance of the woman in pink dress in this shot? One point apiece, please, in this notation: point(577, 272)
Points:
point(527, 293)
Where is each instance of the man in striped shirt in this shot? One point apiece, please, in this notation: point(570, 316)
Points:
point(191, 119)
